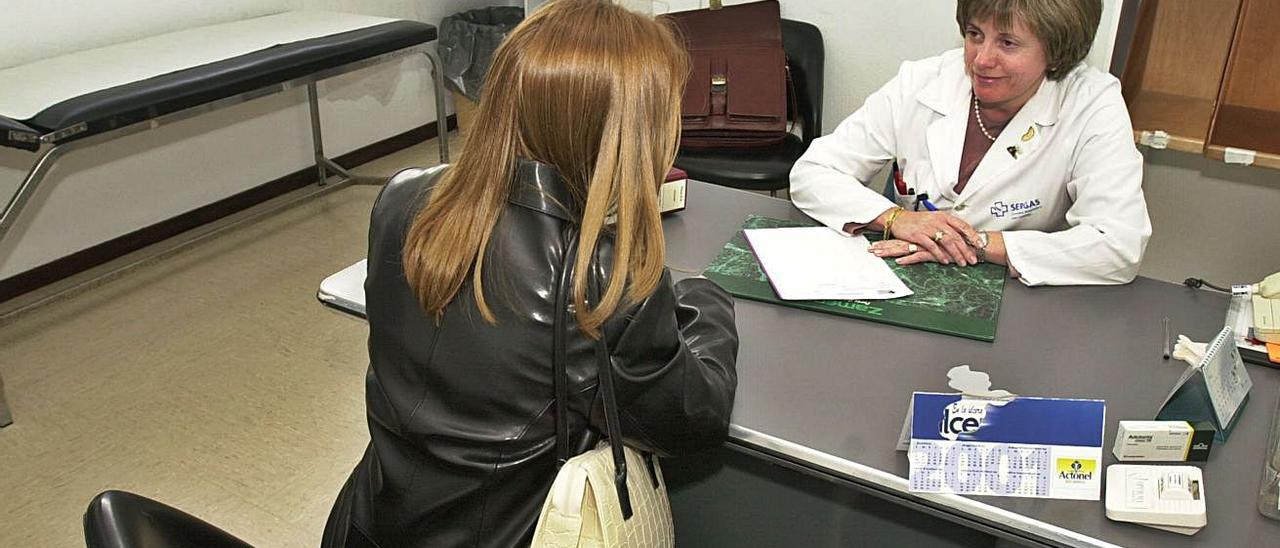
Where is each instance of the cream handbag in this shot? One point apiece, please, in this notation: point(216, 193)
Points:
point(594, 501)
point(583, 510)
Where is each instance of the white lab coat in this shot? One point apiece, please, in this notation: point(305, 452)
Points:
point(1069, 203)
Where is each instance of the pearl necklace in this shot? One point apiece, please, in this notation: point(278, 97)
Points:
point(977, 115)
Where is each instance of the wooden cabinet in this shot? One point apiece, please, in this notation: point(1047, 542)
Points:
point(1248, 113)
point(1207, 74)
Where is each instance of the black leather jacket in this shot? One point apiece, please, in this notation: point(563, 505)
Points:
point(461, 422)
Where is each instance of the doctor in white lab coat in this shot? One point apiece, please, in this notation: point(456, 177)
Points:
point(1026, 153)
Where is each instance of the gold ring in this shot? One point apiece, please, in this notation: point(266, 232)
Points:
point(937, 236)
point(912, 248)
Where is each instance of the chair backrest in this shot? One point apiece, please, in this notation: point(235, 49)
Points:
point(118, 519)
point(805, 55)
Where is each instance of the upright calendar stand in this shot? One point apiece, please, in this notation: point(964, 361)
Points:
point(1216, 390)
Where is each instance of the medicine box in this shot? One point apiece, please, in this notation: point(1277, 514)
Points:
point(1166, 441)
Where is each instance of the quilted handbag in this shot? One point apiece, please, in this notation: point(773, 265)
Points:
point(582, 510)
point(610, 496)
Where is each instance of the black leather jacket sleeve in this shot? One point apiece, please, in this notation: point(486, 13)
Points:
point(675, 366)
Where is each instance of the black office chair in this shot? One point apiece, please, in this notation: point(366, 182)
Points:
point(768, 168)
point(116, 519)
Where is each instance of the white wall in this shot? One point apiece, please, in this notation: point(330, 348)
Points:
point(1210, 220)
point(38, 29)
point(103, 192)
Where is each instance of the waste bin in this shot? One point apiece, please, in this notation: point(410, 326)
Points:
point(467, 42)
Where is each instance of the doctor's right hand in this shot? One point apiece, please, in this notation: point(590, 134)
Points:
point(944, 236)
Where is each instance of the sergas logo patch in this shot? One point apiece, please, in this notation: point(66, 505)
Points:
point(1077, 469)
point(1015, 210)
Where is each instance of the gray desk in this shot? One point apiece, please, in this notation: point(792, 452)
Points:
point(828, 394)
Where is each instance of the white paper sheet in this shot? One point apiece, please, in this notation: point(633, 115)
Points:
point(809, 263)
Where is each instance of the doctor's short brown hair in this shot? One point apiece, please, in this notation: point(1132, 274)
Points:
point(1065, 27)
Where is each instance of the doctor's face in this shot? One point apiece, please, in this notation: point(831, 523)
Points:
point(1006, 66)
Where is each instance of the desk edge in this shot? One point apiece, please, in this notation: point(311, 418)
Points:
point(891, 482)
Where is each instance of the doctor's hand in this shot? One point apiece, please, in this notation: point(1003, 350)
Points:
point(937, 236)
point(906, 252)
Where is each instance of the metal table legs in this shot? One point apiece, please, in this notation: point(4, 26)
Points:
point(6, 418)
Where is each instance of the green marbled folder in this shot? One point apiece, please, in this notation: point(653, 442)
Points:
point(949, 299)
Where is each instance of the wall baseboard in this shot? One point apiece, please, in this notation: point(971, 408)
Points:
point(104, 252)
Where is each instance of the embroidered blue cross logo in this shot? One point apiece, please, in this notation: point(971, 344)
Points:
point(999, 209)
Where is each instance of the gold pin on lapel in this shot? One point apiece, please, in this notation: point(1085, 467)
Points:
point(1031, 133)
point(1014, 151)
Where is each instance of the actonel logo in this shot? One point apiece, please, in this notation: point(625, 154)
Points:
point(1200, 446)
point(1015, 210)
point(1076, 469)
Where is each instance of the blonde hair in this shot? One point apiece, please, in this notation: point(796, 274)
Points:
point(593, 90)
point(1065, 27)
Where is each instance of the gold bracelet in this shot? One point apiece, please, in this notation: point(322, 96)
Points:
point(888, 223)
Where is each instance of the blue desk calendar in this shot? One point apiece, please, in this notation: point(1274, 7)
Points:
point(1020, 447)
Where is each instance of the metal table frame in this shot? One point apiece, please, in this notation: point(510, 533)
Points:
point(52, 152)
point(6, 418)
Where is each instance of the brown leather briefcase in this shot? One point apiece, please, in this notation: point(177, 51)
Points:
point(737, 90)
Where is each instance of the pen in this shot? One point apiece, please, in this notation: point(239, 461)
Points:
point(898, 181)
point(923, 200)
point(1164, 342)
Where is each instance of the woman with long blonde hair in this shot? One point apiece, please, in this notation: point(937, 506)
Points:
point(551, 212)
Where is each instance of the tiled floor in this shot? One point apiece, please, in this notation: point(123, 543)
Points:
point(211, 380)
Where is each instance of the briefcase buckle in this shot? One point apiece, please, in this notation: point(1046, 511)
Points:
point(719, 82)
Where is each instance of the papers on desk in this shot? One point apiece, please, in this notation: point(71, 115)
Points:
point(1240, 318)
point(815, 263)
point(949, 299)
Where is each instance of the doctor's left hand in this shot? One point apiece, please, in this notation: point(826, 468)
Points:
point(905, 252)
